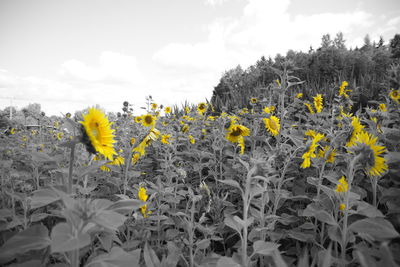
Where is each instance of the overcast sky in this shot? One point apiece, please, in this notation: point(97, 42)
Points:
point(71, 54)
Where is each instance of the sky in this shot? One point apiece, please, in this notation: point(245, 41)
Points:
point(68, 55)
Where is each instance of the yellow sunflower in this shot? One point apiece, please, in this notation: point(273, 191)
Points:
point(395, 95)
point(138, 119)
point(299, 95)
point(236, 132)
point(142, 195)
point(167, 110)
point(382, 107)
point(187, 110)
point(269, 109)
point(272, 125)
point(365, 145)
point(357, 128)
point(98, 130)
point(310, 109)
point(154, 106)
point(201, 108)
point(148, 120)
point(165, 138)
point(192, 140)
point(342, 186)
point(318, 103)
point(343, 91)
point(253, 100)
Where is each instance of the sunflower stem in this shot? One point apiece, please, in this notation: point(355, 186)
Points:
point(374, 182)
point(71, 168)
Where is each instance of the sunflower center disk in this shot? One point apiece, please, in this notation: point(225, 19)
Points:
point(236, 132)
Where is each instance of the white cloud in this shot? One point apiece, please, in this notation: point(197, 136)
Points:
point(113, 67)
point(215, 2)
point(264, 28)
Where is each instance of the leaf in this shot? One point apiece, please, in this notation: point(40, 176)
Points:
point(227, 262)
point(231, 183)
point(41, 157)
point(63, 238)
point(368, 210)
point(173, 257)
point(92, 168)
point(43, 197)
point(34, 238)
point(116, 258)
point(203, 244)
point(264, 248)
point(150, 257)
point(377, 228)
point(229, 221)
point(320, 214)
point(109, 219)
point(126, 206)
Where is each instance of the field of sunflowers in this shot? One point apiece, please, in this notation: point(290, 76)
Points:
point(288, 180)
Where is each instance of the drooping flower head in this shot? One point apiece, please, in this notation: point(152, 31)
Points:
point(272, 125)
point(343, 91)
point(236, 132)
point(310, 108)
point(253, 100)
point(98, 135)
point(318, 103)
point(365, 144)
point(357, 128)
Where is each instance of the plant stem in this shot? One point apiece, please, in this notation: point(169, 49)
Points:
point(128, 164)
point(374, 182)
point(71, 168)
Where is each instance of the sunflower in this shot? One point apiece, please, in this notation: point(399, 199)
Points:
point(142, 194)
point(192, 140)
point(310, 109)
point(154, 106)
point(365, 145)
point(165, 138)
point(59, 135)
point(310, 152)
point(330, 158)
point(343, 91)
point(98, 135)
point(185, 128)
point(253, 100)
point(382, 107)
point(299, 95)
point(342, 186)
point(201, 108)
point(269, 109)
point(138, 119)
point(318, 103)
point(357, 128)
point(167, 110)
point(272, 125)
point(395, 95)
point(236, 132)
point(148, 120)
point(187, 110)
